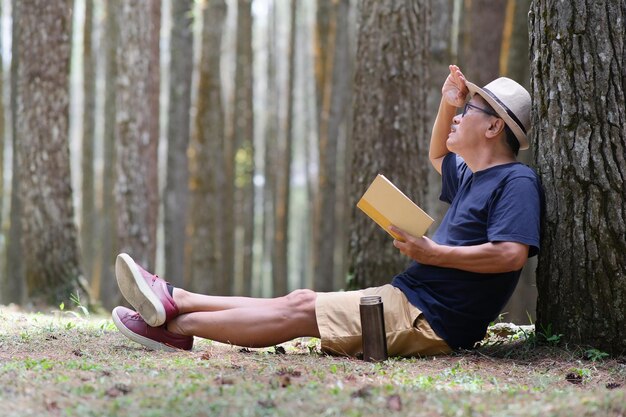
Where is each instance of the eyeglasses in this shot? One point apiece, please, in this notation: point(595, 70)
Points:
point(471, 106)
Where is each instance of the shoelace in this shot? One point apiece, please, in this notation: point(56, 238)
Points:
point(155, 277)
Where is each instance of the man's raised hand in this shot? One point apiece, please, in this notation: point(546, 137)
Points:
point(454, 89)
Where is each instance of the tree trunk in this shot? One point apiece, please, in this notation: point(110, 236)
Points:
point(110, 295)
point(320, 186)
point(514, 62)
point(89, 218)
point(13, 287)
point(345, 151)
point(228, 191)
point(305, 148)
point(2, 147)
point(49, 235)
point(390, 132)
point(243, 124)
point(578, 86)
point(332, 111)
point(205, 260)
point(271, 149)
point(137, 128)
point(177, 188)
point(325, 25)
point(479, 56)
point(281, 221)
point(3, 277)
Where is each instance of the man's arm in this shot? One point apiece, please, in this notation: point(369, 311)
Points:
point(453, 94)
point(438, 149)
point(486, 258)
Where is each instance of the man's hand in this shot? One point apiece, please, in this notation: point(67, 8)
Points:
point(454, 90)
point(420, 249)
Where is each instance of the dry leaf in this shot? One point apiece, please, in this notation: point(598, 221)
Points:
point(574, 378)
point(287, 371)
point(220, 380)
point(362, 392)
point(394, 403)
point(118, 389)
point(52, 406)
point(267, 403)
point(284, 381)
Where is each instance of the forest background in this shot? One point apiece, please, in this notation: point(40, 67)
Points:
point(215, 142)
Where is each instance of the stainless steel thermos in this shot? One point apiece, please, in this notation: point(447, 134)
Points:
point(373, 329)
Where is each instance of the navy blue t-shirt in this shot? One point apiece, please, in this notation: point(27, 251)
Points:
point(501, 203)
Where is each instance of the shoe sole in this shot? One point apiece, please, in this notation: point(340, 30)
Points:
point(144, 341)
point(137, 292)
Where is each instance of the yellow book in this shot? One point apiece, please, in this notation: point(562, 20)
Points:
point(387, 205)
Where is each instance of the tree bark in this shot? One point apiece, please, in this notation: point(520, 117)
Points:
point(205, 253)
point(390, 132)
point(578, 54)
point(177, 189)
point(49, 235)
point(137, 128)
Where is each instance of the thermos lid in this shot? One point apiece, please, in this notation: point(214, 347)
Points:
point(371, 300)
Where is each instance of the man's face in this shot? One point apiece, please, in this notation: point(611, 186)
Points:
point(468, 128)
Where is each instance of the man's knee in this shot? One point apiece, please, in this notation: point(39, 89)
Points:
point(300, 309)
point(301, 299)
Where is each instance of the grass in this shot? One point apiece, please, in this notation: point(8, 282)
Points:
point(68, 364)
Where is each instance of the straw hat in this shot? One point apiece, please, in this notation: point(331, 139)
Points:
point(512, 103)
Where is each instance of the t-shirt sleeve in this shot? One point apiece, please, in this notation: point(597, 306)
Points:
point(450, 176)
point(515, 214)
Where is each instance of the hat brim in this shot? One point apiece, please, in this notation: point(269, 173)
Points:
point(512, 124)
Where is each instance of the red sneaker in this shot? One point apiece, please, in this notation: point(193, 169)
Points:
point(145, 291)
point(158, 338)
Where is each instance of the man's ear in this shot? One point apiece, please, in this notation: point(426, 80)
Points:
point(495, 127)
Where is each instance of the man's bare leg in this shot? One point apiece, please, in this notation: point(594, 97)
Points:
point(252, 322)
point(189, 302)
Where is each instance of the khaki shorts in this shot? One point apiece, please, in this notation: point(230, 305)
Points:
point(408, 332)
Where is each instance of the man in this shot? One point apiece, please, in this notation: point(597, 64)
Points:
point(457, 283)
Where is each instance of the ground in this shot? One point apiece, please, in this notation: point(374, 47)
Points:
point(71, 363)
